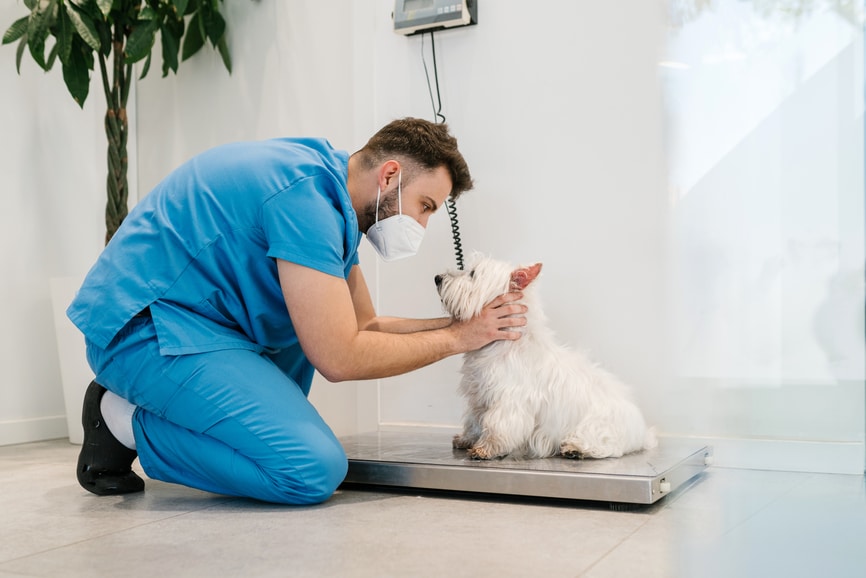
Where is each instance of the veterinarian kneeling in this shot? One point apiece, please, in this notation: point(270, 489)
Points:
point(231, 282)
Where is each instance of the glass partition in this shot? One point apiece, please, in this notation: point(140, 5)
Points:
point(764, 115)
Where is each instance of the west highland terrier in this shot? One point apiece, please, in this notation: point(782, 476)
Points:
point(534, 397)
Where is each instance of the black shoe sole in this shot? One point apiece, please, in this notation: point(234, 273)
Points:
point(104, 464)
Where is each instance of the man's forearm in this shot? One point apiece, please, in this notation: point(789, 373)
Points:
point(404, 325)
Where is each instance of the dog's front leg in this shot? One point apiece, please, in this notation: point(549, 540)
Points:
point(472, 418)
point(467, 439)
point(505, 428)
point(471, 430)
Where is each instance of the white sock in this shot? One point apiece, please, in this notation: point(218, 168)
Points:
point(118, 417)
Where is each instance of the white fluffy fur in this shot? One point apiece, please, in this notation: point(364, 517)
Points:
point(534, 397)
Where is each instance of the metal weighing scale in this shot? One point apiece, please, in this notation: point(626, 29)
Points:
point(426, 461)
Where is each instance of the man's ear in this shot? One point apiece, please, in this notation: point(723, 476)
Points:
point(387, 172)
point(522, 277)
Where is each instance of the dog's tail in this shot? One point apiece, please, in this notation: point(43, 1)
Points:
point(650, 439)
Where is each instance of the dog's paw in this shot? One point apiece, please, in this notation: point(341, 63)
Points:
point(481, 452)
point(572, 450)
point(460, 442)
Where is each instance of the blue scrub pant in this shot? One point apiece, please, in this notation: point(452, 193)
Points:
point(228, 421)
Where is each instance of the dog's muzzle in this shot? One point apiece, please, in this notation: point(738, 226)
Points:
point(438, 280)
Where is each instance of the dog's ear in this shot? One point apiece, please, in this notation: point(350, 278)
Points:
point(522, 277)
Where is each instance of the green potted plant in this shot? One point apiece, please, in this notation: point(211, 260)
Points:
point(114, 35)
point(108, 36)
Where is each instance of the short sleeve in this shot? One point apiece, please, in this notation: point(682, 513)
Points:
point(302, 225)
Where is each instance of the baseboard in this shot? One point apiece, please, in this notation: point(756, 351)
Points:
point(825, 457)
point(419, 427)
point(32, 430)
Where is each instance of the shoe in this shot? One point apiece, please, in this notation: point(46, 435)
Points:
point(104, 464)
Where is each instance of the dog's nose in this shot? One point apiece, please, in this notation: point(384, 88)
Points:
point(438, 280)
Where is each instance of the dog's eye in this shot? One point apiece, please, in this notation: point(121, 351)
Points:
point(472, 274)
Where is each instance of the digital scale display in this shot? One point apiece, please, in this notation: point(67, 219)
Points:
point(416, 16)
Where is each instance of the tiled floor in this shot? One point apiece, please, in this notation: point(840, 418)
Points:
point(729, 523)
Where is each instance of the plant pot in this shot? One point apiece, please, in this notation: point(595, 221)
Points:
point(75, 374)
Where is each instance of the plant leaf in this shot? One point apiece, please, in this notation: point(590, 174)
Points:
point(76, 72)
point(37, 32)
point(145, 68)
point(147, 13)
point(200, 20)
point(84, 27)
point(52, 56)
point(179, 7)
point(141, 40)
point(104, 7)
point(104, 30)
point(170, 35)
point(214, 25)
point(39, 24)
point(223, 48)
point(64, 36)
point(90, 8)
point(16, 31)
point(194, 39)
point(19, 52)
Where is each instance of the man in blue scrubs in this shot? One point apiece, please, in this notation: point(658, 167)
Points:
point(231, 282)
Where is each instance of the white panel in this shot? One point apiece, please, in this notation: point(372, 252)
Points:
point(766, 172)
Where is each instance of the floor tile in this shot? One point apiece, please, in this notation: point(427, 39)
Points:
point(354, 534)
point(725, 523)
point(817, 528)
point(43, 503)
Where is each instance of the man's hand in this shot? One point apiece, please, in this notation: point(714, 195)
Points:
point(497, 321)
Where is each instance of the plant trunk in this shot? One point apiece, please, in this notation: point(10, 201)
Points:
point(117, 132)
point(116, 129)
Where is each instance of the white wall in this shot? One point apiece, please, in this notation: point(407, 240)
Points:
point(549, 106)
point(564, 118)
point(52, 158)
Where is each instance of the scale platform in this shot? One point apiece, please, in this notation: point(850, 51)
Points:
point(427, 461)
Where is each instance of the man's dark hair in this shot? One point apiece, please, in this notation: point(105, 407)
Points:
point(424, 144)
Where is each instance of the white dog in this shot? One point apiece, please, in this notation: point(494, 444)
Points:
point(533, 397)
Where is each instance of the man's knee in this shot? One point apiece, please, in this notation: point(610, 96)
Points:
point(315, 480)
point(327, 475)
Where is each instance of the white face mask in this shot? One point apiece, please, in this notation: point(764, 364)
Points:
point(398, 236)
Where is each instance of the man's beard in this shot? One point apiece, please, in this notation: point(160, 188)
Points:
point(387, 208)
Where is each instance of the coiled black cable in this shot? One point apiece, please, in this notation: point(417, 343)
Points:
point(450, 204)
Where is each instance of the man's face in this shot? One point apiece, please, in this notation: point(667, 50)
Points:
point(422, 197)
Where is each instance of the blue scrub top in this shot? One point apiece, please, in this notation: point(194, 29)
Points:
point(200, 249)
